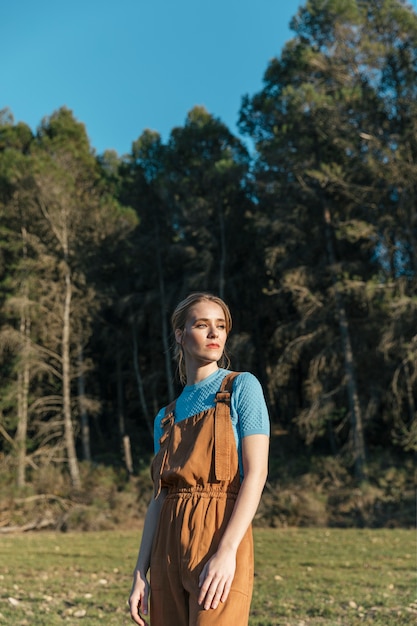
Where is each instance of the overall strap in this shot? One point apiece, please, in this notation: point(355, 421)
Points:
point(222, 428)
point(168, 415)
point(166, 424)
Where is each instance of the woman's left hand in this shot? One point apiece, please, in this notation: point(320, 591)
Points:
point(216, 578)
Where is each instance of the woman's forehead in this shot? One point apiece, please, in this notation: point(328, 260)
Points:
point(206, 310)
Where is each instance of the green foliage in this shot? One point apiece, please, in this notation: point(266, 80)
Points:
point(327, 127)
point(61, 131)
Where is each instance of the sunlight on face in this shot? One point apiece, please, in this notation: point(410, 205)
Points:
point(204, 336)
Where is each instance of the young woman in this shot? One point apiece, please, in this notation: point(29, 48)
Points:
point(209, 471)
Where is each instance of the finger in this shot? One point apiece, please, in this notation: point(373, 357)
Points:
point(213, 594)
point(203, 591)
point(134, 612)
point(138, 619)
point(144, 603)
point(216, 597)
point(207, 592)
point(204, 584)
point(226, 591)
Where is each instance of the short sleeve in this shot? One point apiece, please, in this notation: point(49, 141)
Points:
point(248, 403)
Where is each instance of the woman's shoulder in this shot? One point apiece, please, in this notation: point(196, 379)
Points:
point(159, 416)
point(245, 380)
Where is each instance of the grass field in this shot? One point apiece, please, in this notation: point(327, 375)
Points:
point(303, 577)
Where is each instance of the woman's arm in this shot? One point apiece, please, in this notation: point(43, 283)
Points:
point(139, 594)
point(218, 573)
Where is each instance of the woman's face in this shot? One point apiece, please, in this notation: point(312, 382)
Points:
point(204, 336)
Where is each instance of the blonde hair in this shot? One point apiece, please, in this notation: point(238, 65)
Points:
point(179, 319)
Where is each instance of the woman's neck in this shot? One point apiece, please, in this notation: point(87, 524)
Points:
point(197, 374)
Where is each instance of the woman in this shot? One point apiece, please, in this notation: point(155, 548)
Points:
point(209, 471)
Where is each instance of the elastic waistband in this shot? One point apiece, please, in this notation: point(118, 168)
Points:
point(203, 492)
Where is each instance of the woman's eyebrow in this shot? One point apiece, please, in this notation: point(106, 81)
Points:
point(207, 319)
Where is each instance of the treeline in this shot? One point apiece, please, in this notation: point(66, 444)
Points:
point(312, 240)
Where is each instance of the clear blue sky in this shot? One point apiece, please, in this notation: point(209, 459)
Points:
point(123, 66)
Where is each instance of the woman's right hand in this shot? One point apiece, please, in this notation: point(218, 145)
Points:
point(138, 600)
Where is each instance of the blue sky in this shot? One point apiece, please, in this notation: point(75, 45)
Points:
point(123, 66)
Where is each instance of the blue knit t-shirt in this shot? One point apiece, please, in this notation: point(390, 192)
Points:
point(248, 411)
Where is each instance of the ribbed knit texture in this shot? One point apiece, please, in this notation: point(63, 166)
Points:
point(248, 409)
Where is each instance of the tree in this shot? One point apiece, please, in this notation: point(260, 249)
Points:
point(67, 215)
point(205, 185)
point(15, 192)
point(316, 182)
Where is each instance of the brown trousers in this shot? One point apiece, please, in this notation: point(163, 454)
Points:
point(198, 464)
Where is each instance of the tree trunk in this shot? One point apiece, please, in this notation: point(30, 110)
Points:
point(352, 390)
point(127, 454)
point(22, 404)
point(165, 332)
point(23, 379)
point(85, 425)
point(139, 381)
point(62, 238)
point(124, 438)
point(222, 259)
point(120, 392)
point(66, 385)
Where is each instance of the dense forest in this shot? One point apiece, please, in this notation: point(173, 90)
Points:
point(307, 227)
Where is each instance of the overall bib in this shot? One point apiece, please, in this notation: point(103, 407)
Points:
point(197, 464)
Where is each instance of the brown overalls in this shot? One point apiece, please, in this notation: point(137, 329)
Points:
point(198, 464)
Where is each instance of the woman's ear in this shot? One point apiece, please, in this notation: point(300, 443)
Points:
point(178, 335)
